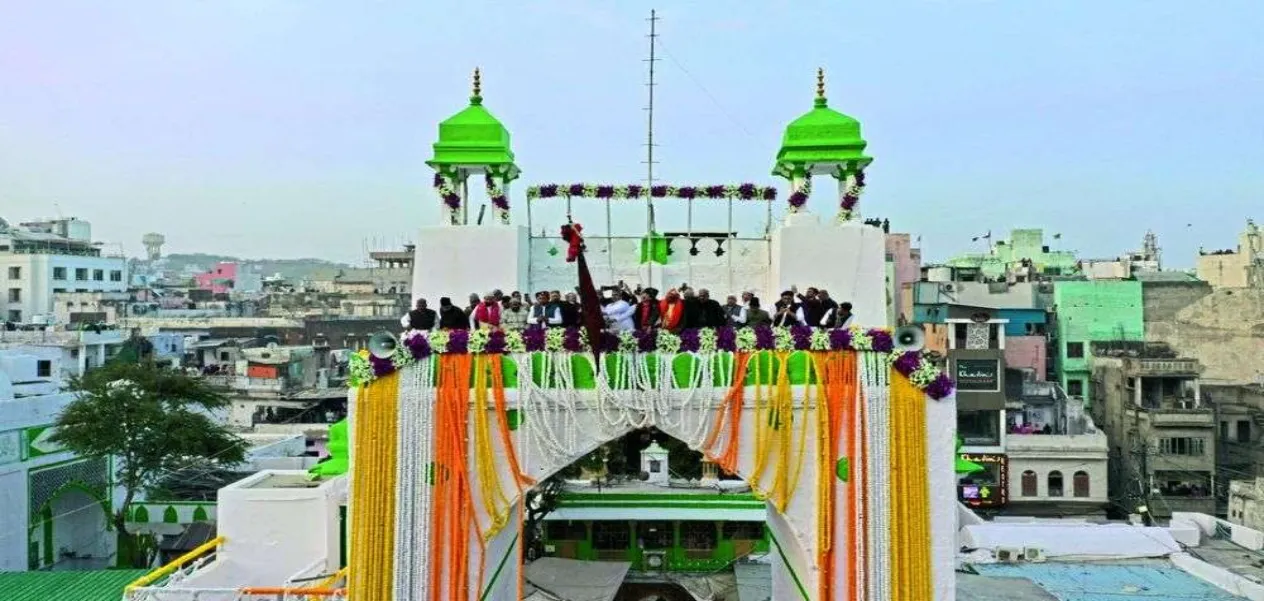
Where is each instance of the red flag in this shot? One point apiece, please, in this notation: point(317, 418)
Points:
point(590, 304)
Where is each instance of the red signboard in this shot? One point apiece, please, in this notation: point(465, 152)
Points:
point(262, 371)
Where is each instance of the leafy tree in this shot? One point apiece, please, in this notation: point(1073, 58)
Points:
point(152, 421)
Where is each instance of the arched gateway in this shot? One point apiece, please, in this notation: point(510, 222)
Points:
point(847, 437)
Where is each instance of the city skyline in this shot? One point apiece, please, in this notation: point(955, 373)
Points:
point(294, 131)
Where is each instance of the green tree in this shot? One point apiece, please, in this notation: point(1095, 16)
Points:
point(151, 421)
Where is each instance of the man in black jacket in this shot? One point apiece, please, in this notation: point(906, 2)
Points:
point(421, 318)
point(452, 317)
point(713, 315)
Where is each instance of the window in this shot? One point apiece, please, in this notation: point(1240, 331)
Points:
point(1182, 446)
point(58, 290)
point(81, 274)
point(1075, 387)
point(1080, 484)
point(98, 275)
point(656, 466)
point(15, 273)
point(698, 535)
point(59, 273)
point(743, 530)
point(1244, 431)
point(116, 276)
point(567, 530)
point(1029, 484)
point(1055, 483)
point(44, 368)
point(611, 536)
point(1075, 350)
point(15, 295)
point(15, 316)
point(1224, 430)
point(979, 428)
point(654, 535)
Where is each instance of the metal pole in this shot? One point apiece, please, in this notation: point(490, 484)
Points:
point(649, 152)
point(609, 242)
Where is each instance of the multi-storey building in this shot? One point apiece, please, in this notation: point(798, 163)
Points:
point(1242, 267)
point(60, 502)
point(40, 259)
point(1162, 436)
point(1088, 312)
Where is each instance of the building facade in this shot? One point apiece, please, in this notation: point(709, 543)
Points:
point(1242, 267)
point(1162, 437)
point(40, 259)
point(1089, 311)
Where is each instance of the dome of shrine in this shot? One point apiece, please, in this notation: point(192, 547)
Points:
point(472, 137)
point(822, 136)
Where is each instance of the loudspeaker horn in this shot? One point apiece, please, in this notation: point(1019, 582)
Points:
point(909, 338)
point(383, 344)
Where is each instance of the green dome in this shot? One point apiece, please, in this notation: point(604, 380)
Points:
point(822, 136)
point(472, 137)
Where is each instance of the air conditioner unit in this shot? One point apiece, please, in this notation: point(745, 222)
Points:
point(1034, 554)
point(1009, 554)
point(655, 560)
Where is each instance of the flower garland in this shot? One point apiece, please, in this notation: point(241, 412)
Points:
point(499, 200)
point(606, 191)
point(799, 197)
point(855, 187)
point(416, 345)
point(447, 193)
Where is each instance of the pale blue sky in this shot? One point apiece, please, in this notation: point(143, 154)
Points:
point(299, 128)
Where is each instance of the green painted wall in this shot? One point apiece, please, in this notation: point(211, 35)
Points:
point(1022, 244)
point(1094, 311)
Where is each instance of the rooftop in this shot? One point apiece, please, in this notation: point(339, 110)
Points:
point(93, 585)
point(1151, 580)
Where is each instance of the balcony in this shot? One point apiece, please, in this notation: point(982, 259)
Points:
point(1198, 418)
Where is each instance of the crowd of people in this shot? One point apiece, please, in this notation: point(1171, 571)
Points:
point(625, 309)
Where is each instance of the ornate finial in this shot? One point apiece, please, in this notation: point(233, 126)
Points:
point(477, 97)
point(820, 86)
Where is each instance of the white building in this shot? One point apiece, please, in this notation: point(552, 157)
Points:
point(40, 259)
point(1061, 470)
point(60, 502)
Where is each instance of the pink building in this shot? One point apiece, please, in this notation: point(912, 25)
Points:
point(908, 267)
point(1026, 351)
point(219, 280)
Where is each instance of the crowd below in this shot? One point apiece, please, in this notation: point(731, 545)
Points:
point(626, 309)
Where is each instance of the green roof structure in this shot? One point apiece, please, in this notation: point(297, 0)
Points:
point(822, 136)
point(70, 585)
point(337, 464)
point(474, 137)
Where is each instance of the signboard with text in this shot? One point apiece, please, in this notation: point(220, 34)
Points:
point(989, 488)
point(978, 375)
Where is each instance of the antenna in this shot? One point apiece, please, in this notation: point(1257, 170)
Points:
point(649, 129)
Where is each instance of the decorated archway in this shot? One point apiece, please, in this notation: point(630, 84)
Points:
point(835, 429)
point(73, 522)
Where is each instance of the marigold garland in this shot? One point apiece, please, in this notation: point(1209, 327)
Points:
point(915, 365)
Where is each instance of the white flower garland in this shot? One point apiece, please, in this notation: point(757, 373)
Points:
point(875, 376)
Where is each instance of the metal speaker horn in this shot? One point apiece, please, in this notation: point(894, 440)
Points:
point(909, 338)
point(383, 344)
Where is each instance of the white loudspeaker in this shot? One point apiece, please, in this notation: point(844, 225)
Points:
point(383, 344)
point(909, 338)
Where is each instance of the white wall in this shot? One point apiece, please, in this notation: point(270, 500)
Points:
point(849, 260)
point(13, 519)
point(37, 281)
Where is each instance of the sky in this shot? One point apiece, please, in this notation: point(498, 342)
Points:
point(299, 128)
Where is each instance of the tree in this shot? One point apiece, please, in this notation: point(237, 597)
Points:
point(151, 421)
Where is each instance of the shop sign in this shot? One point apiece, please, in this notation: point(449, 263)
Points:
point(988, 488)
point(978, 375)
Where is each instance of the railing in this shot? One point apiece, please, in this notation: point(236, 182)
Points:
point(175, 572)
